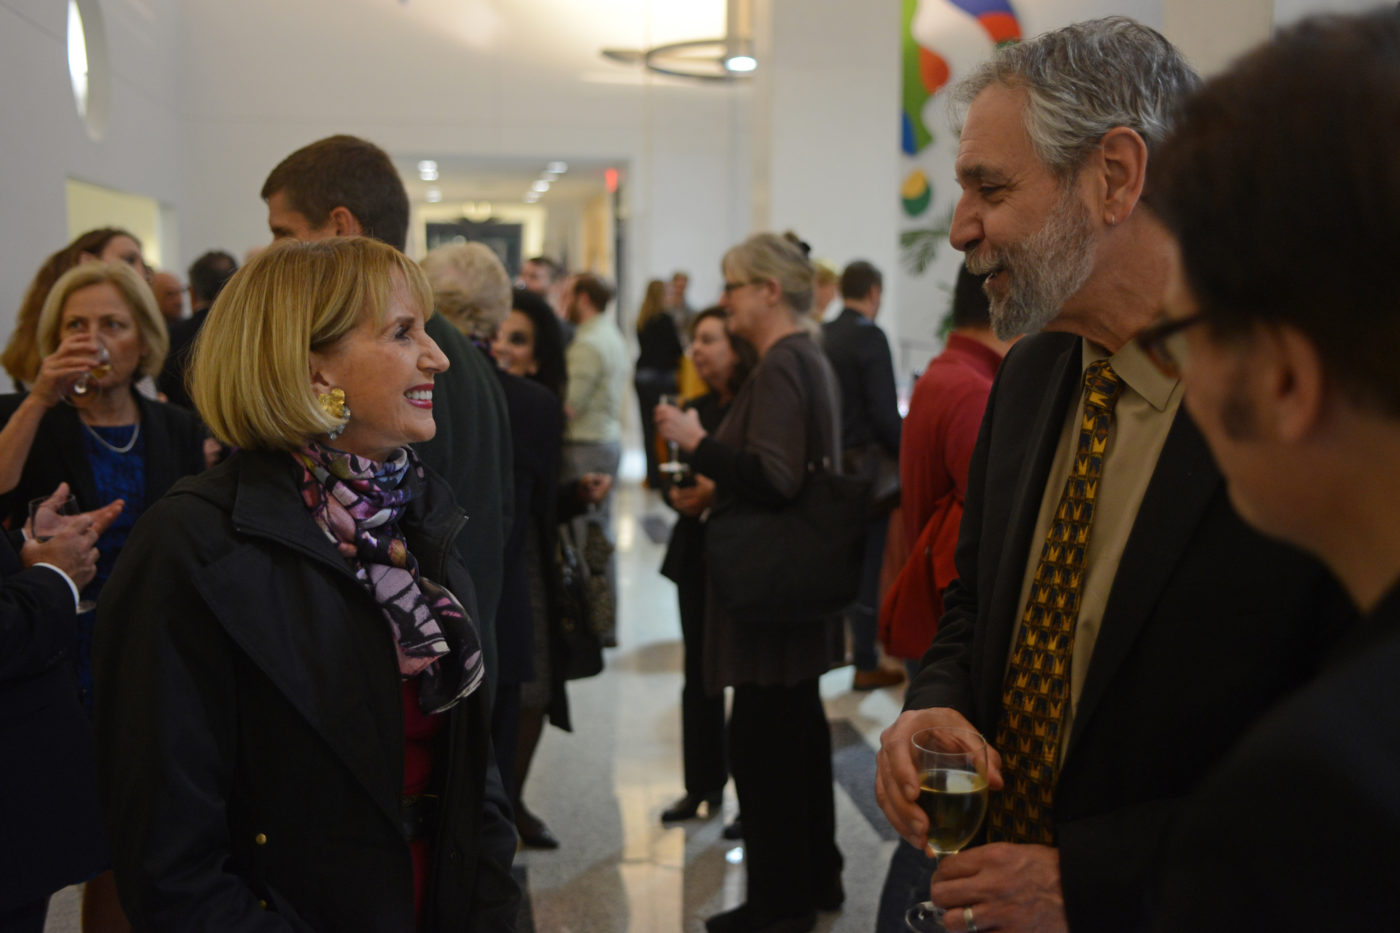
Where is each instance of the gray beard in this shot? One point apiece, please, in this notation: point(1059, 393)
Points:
point(1043, 270)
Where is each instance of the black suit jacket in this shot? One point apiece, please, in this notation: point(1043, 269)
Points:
point(1301, 820)
point(174, 448)
point(177, 360)
point(1207, 625)
point(48, 786)
point(860, 354)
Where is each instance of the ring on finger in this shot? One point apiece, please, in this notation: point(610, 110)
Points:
point(968, 922)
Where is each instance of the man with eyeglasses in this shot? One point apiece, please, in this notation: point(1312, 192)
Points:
point(1116, 626)
point(1290, 368)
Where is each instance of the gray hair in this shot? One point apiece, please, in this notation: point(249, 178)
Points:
point(470, 287)
point(1084, 80)
point(769, 256)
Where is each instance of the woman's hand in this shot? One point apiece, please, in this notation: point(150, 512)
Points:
point(692, 501)
point(593, 487)
point(681, 427)
point(58, 371)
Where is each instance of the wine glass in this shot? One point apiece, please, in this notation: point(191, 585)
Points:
point(952, 767)
point(673, 465)
point(88, 380)
point(47, 517)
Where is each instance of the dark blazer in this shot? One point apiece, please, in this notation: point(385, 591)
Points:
point(537, 430)
point(860, 354)
point(174, 448)
point(250, 725)
point(1301, 820)
point(48, 787)
point(471, 450)
point(1207, 624)
point(177, 360)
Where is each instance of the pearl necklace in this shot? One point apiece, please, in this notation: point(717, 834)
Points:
point(125, 448)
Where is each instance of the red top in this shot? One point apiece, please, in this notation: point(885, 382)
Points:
point(940, 431)
point(419, 728)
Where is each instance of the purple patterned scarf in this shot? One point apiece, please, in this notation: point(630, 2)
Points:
point(358, 502)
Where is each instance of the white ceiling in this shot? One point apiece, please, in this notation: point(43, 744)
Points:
point(501, 179)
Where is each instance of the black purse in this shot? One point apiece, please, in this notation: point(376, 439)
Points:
point(797, 563)
point(579, 653)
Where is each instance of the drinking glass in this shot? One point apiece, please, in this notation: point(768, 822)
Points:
point(88, 380)
point(952, 767)
point(47, 516)
point(673, 464)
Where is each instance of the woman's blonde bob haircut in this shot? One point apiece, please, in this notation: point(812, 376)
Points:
point(250, 375)
point(765, 256)
point(155, 339)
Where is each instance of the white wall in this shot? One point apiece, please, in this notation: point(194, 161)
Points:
point(281, 75)
point(827, 131)
point(43, 141)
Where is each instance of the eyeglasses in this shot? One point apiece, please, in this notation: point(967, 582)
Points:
point(1164, 344)
point(731, 286)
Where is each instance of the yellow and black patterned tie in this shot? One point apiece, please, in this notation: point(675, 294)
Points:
point(1035, 698)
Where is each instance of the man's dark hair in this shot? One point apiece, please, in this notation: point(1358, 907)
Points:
point(209, 273)
point(859, 278)
point(1282, 186)
point(344, 171)
point(549, 265)
point(970, 305)
point(598, 291)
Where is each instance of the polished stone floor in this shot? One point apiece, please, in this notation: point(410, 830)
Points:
point(602, 787)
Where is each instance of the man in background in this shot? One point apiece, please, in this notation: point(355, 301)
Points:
point(208, 274)
point(345, 186)
point(860, 354)
point(170, 295)
point(598, 374)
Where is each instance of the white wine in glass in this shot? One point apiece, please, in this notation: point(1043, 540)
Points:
point(952, 767)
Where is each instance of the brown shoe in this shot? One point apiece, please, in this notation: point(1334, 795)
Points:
point(876, 678)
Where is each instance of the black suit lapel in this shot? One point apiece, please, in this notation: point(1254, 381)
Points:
point(1182, 486)
point(1061, 383)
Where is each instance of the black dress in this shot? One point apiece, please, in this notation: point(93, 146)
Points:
point(656, 376)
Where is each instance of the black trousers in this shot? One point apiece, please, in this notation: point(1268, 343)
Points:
point(26, 918)
point(780, 752)
point(702, 715)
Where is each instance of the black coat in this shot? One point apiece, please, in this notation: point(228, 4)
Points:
point(1301, 820)
point(177, 360)
point(471, 450)
point(860, 354)
point(1207, 625)
point(250, 725)
point(174, 448)
point(48, 791)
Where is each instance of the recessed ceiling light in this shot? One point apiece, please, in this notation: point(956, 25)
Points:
point(434, 195)
point(541, 186)
point(557, 168)
point(741, 63)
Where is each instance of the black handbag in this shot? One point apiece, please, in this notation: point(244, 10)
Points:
point(796, 563)
point(579, 653)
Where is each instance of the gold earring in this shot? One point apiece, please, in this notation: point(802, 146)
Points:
point(333, 404)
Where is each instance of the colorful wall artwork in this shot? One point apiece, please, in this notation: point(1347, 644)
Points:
point(942, 41)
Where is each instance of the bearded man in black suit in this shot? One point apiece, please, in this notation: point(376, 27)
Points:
point(1116, 626)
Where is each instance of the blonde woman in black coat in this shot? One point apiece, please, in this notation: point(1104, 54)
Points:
point(292, 729)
